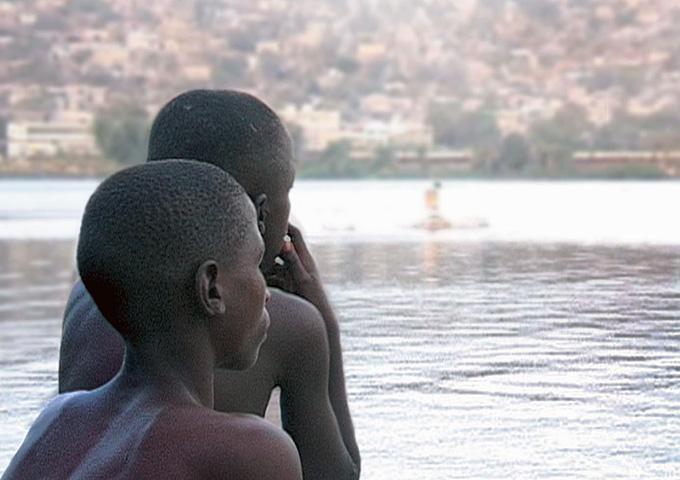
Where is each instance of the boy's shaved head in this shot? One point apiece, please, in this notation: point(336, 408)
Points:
point(232, 130)
point(145, 232)
point(241, 135)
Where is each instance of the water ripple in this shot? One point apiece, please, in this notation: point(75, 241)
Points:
point(511, 360)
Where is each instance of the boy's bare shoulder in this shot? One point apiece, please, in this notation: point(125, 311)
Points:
point(56, 407)
point(32, 458)
point(297, 328)
point(91, 351)
point(295, 316)
point(245, 446)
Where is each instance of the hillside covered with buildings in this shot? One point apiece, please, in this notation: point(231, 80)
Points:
point(366, 87)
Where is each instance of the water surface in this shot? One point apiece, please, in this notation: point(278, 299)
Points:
point(469, 354)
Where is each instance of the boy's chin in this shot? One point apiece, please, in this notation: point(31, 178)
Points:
point(244, 362)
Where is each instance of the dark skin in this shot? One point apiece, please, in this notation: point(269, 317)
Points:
point(155, 418)
point(302, 356)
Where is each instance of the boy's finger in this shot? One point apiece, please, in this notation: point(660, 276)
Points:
point(295, 233)
point(293, 230)
point(297, 239)
point(295, 266)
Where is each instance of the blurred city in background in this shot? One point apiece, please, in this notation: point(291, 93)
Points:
point(491, 329)
point(368, 88)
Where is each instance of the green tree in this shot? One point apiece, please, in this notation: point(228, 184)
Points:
point(100, 10)
point(557, 138)
point(515, 155)
point(297, 137)
point(540, 10)
point(336, 161)
point(347, 65)
point(660, 130)
point(3, 137)
point(383, 160)
point(461, 129)
point(122, 134)
point(243, 40)
point(621, 133)
point(230, 71)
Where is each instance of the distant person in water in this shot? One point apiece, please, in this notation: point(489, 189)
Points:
point(302, 356)
point(432, 198)
point(169, 252)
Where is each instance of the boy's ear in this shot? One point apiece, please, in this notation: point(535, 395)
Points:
point(210, 296)
point(260, 201)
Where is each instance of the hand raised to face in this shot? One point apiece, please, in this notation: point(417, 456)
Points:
point(295, 270)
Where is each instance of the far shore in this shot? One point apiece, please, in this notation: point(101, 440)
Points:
point(49, 176)
point(97, 169)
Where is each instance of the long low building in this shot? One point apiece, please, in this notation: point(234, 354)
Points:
point(666, 161)
point(432, 162)
point(436, 162)
point(26, 139)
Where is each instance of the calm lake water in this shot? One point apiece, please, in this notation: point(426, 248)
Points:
point(544, 345)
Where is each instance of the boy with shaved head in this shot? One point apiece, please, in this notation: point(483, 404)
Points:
point(169, 252)
point(244, 137)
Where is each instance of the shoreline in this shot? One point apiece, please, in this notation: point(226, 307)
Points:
point(49, 176)
point(19, 175)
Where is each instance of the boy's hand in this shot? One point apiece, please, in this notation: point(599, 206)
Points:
point(298, 274)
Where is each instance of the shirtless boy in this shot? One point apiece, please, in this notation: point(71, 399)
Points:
point(302, 356)
point(169, 252)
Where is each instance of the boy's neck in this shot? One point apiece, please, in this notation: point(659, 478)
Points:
point(180, 373)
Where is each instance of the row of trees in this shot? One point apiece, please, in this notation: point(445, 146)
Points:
point(546, 150)
point(122, 133)
point(336, 161)
point(548, 146)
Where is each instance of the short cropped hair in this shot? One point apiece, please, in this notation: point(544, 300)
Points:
point(232, 130)
point(148, 228)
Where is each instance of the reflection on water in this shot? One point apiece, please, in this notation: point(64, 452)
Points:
point(481, 360)
point(496, 360)
point(35, 278)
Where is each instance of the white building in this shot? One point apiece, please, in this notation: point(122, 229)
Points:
point(320, 127)
point(395, 133)
point(324, 127)
point(26, 139)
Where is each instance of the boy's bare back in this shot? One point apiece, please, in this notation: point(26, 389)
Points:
point(132, 436)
